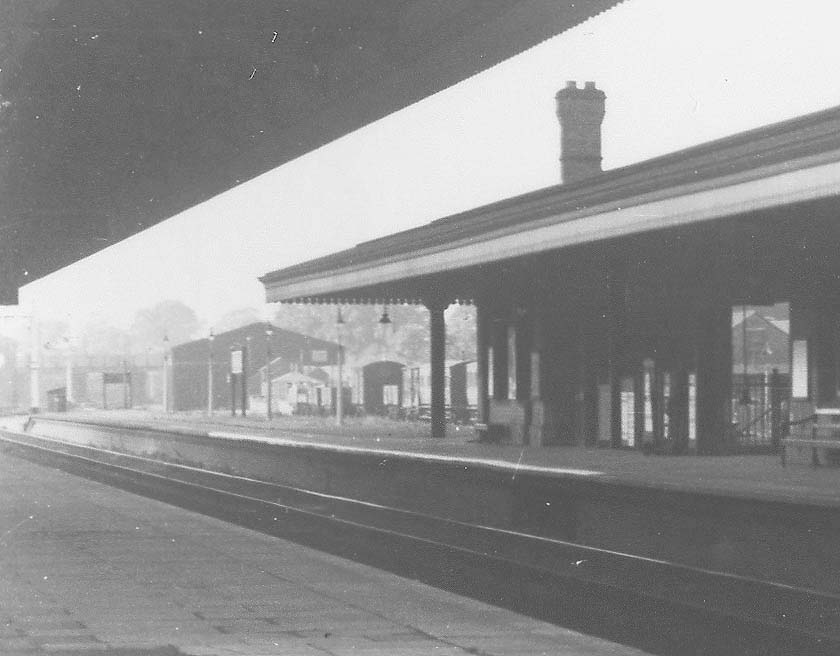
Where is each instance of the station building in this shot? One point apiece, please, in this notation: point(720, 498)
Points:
point(605, 303)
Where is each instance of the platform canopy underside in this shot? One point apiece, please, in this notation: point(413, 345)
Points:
point(117, 114)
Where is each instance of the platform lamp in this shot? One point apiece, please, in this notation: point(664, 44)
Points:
point(339, 401)
point(245, 372)
point(268, 334)
point(385, 319)
point(126, 379)
point(165, 373)
point(210, 372)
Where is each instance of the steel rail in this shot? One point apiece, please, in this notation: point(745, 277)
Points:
point(657, 605)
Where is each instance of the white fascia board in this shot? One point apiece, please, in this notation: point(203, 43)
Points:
point(593, 224)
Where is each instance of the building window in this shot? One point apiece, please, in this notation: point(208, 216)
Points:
point(415, 385)
point(511, 362)
point(491, 374)
point(536, 393)
point(390, 394)
point(319, 357)
point(648, 395)
point(799, 369)
point(692, 407)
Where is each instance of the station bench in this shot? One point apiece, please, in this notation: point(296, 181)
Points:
point(823, 445)
point(489, 432)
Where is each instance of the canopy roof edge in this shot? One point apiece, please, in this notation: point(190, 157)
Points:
point(793, 161)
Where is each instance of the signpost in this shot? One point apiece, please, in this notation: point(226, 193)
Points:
point(236, 360)
point(238, 370)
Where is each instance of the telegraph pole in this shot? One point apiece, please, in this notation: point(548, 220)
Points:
point(165, 373)
point(34, 365)
point(339, 401)
point(210, 374)
point(268, 333)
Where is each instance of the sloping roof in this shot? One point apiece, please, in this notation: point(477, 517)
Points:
point(775, 151)
point(296, 377)
point(281, 339)
point(280, 363)
point(782, 325)
point(738, 317)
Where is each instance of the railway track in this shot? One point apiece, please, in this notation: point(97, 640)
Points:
point(662, 607)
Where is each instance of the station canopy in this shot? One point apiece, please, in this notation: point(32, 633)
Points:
point(117, 114)
point(753, 176)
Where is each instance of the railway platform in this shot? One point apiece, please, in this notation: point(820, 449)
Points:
point(90, 569)
point(740, 515)
point(759, 477)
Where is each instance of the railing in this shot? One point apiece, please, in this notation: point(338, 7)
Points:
point(760, 410)
point(455, 414)
point(822, 440)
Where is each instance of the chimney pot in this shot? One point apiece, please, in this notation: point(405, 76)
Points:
point(580, 112)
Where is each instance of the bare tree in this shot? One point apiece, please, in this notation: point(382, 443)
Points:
point(172, 318)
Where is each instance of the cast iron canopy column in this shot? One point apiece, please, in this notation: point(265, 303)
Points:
point(482, 337)
point(437, 332)
point(714, 376)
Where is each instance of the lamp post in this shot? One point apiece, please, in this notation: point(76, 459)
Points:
point(210, 373)
point(64, 346)
point(34, 363)
point(165, 373)
point(339, 401)
point(268, 333)
point(125, 377)
point(67, 344)
point(385, 319)
point(245, 372)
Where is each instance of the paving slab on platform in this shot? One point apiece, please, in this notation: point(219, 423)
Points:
point(90, 569)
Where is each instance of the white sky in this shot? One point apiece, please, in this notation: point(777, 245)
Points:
point(675, 74)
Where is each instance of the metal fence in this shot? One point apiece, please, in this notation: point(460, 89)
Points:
point(760, 409)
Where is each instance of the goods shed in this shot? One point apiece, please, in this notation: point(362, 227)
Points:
point(198, 364)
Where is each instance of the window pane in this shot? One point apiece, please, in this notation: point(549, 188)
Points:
point(491, 373)
point(511, 362)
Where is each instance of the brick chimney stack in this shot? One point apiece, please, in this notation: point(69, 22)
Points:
point(581, 112)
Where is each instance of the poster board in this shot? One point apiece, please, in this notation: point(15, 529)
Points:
point(799, 369)
point(236, 360)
